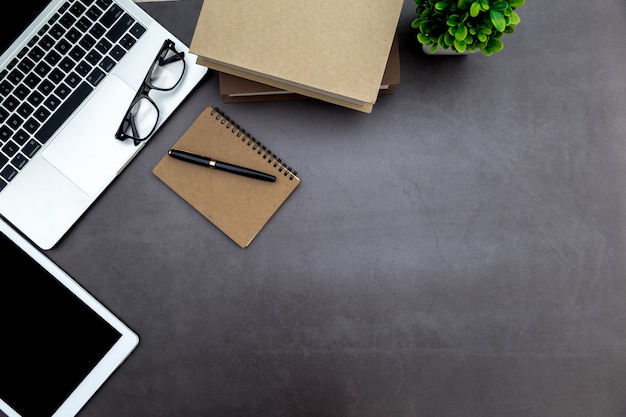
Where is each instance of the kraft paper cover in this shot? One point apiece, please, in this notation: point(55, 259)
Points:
point(239, 206)
point(327, 49)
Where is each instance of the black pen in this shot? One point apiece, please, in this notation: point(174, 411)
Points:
point(222, 166)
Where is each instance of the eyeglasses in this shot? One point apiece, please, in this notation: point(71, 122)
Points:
point(142, 116)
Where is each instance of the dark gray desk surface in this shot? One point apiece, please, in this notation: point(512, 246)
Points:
point(460, 251)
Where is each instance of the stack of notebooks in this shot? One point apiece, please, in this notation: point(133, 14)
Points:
point(342, 52)
point(237, 89)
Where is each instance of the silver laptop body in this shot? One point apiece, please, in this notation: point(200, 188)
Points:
point(46, 190)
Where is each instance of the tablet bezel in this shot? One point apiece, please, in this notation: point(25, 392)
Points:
point(103, 369)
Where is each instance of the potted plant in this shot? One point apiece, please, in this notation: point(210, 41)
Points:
point(462, 26)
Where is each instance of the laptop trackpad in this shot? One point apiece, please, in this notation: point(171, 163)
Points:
point(86, 150)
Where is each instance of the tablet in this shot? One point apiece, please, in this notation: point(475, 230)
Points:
point(58, 343)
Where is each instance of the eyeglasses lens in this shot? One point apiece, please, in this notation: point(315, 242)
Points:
point(143, 116)
point(168, 71)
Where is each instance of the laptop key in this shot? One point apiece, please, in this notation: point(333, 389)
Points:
point(107, 64)
point(14, 121)
point(138, 30)
point(36, 54)
point(104, 46)
point(21, 91)
point(31, 125)
point(8, 173)
point(57, 31)
point(25, 110)
point(83, 68)
point(42, 114)
point(4, 115)
point(5, 133)
point(35, 98)
point(54, 19)
point(67, 21)
point(63, 112)
point(117, 52)
point(32, 80)
point(73, 35)
point(72, 79)
point(66, 64)
point(84, 24)
point(119, 28)
point(52, 58)
point(45, 87)
point(46, 42)
point(103, 3)
point(5, 88)
point(62, 90)
point(52, 102)
point(77, 9)
point(19, 161)
point(65, 6)
point(10, 148)
point(87, 41)
point(43, 30)
point(111, 15)
point(31, 148)
point(20, 137)
point(10, 103)
point(15, 61)
point(128, 41)
point(96, 76)
point(94, 13)
point(26, 65)
point(93, 57)
point(77, 53)
point(15, 76)
point(63, 46)
point(56, 76)
point(97, 30)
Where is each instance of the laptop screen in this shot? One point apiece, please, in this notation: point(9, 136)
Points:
point(17, 21)
point(50, 338)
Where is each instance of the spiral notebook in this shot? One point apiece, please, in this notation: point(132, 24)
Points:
point(239, 206)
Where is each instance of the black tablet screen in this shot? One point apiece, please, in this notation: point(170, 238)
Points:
point(50, 338)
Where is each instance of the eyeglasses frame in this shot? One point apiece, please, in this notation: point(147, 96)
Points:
point(147, 86)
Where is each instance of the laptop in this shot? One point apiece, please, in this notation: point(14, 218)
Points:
point(59, 344)
point(69, 69)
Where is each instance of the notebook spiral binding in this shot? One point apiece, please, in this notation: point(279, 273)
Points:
point(256, 145)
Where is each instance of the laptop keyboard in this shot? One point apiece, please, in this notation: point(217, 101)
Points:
point(54, 74)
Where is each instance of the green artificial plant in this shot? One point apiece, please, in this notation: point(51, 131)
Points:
point(465, 25)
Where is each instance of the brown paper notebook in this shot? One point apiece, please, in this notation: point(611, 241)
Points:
point(239, 206)
point(326, 49)
point(237, 90)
